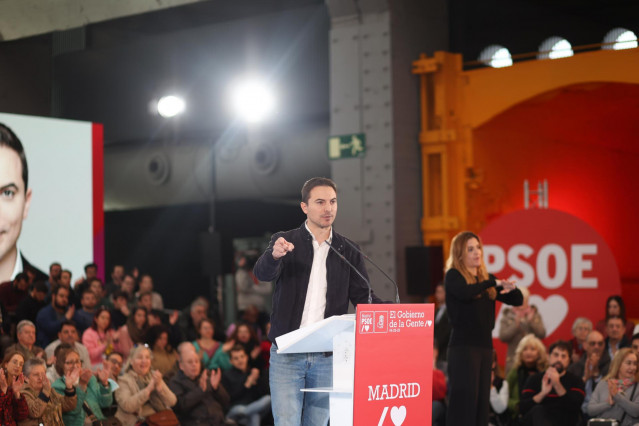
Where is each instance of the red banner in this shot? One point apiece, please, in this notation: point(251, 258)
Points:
point(566, 265)
point(393, 365)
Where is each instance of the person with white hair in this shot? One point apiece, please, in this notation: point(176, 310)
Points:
point(26, 334)
point(580, 330)
point(518, 321)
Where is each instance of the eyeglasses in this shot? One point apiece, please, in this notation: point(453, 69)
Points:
point(76, 362)
point(601, 343)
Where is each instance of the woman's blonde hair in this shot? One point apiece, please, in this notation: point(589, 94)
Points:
point(531, 340)
point(134, 352)
point(616, 362)
point(456, 260)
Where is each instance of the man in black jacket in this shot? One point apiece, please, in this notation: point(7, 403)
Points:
point(311, 283)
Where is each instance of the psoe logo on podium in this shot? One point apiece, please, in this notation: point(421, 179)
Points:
point(380, 325)
point(366, 322)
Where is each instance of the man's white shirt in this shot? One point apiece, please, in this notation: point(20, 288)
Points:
point(315, 304)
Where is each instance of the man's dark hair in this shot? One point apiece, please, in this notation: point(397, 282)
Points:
point(312, 183)
point(54, 264)
point(561, 345)
point(67, 323)
point(22, 276)
point(56, 289)
point(40, 287)
point(238, 348)
point(623, 320)
point(119, 293)
point(11, 141)
point(90, 265)
point(634, 337)
point(67, 271)
point(95, 279)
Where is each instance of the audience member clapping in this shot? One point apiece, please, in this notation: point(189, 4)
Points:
point(94, 393)
point(202, 399)
point(146, 286)
point(615, 326)
point(99, 337)
point(68, 334)
point(83, 317)
point(46, 407)
point(580, 329)
point(50, 317)
point(133, 332)
point(518, 321)
point(214, 354)
point(164, 357)
point(120, 311)
point(142, 391)
point(248, 389)
point(616, 396)
point(530, 359)
point(245, 336)
point(553, 397)
point(13, 405)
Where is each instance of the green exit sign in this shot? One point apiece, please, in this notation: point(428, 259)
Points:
point(346, 146)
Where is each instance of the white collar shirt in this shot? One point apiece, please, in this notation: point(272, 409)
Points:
point(315, 304)
point(18, 267)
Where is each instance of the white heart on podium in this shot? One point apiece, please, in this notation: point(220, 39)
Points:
point(398, 415)
point(429, 322)
point(366, 327)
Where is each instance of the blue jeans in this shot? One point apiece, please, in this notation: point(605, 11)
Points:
point(252, 413)
point(291, 372)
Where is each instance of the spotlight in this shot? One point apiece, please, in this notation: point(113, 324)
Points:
point(252, 100)
point(170, 106)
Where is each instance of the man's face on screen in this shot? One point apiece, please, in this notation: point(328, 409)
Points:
point(14, 202)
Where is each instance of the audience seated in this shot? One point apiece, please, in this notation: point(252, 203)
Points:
point(213, 354)
point(245, 337)
point(615, 326)
point(30, 306)
point(13, 405)
point(201, 398)
point(45, 406)
point(142, 392)
point(146, 286)
point(117, 274)
point(13, 292)
point(248, 389)
point(616, 396)
point(189, 323)
point(26, 334)
point(50, 317)
point(530, 359)
point(133, 332)
point(83, 317)
point(615, 306)
point(164, 357)
point(440, 388)
point(580, 329)
point(120, 311)
point(96, 286)
point(93, 393)
point(518, 321)
point(68, 334)
point(553, 397)
point(499, 396)
point(98, 339)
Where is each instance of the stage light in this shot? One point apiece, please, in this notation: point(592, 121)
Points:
point(252, 100)
point(170, 106)
point(555, 48)
point(496, 56)
point(620, 38)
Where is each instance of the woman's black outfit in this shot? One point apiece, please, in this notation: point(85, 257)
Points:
point(470, 350)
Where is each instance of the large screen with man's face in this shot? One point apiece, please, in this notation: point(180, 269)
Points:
point(65, 221)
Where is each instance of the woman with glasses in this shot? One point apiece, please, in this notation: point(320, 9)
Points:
point(142, 391)
point(13, 406)
point(93, 393)
point(616, 395)
point(45, 406)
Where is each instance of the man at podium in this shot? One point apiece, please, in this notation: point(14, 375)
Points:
point(312, 282)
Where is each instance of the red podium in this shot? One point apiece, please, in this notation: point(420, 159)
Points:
point(382, 363)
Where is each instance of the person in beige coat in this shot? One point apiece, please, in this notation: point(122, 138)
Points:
point(517, 322)
point(142, 392)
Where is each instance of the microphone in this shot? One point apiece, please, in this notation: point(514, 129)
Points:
point(377, 267)
point(341, 256)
